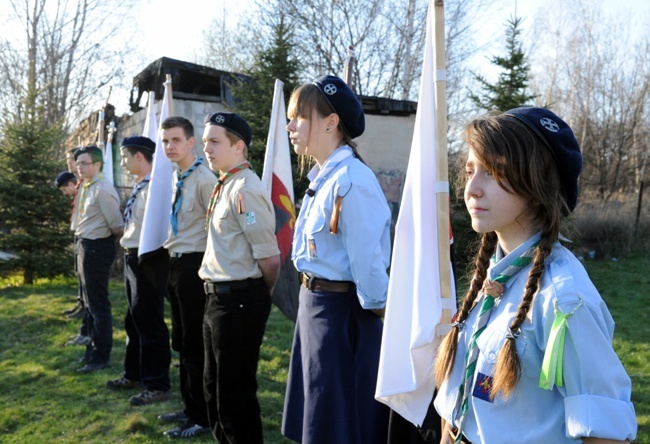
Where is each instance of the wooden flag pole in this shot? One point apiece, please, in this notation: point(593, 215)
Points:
point(442, 173)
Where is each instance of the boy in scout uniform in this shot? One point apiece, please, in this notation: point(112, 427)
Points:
point(97, 223)
point(192, 185)
point(147, 358)
point(240, 268)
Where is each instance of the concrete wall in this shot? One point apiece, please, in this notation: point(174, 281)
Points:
point(385, 144)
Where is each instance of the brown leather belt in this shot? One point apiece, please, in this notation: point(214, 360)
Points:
point(317, 284)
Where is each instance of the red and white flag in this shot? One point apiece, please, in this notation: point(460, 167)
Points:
point(406, 380)
point(155, 225)
point(277, 179)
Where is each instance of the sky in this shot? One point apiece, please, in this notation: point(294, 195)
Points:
point(197, 15)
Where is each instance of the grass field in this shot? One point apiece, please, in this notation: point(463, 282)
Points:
point(43, 399)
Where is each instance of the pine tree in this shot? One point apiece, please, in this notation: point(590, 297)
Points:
point(254, 99)
point(34, 215)
point(510, 89)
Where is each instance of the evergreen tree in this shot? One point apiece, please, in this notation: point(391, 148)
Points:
point(34, 215)
point(510, 89)
point(254, 99)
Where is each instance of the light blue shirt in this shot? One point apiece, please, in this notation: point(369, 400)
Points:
point(360, 250)
point(595, 398)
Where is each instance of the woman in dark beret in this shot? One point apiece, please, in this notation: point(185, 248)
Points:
point(341, 246)
point(529, 358)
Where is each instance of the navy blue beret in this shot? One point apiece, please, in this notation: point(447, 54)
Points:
point(139, 142)
point(559, 138)
point(233, 123)
point(344, 102)
point(64, 178)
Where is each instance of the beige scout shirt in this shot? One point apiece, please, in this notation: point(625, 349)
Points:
point(236, 241)
point(133, 227)
point(99, 210)
point(75, 208)
point(197, 188)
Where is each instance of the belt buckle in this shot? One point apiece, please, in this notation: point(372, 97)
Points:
point(208, 287)
point(308, 281)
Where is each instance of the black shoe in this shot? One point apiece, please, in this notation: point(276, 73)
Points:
point(122, 383)
point(179, 416)
point(79, 314)
point(92, 367)
point(78, 340)
point(74, 309)
point(186, 430)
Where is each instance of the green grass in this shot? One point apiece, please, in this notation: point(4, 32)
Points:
point(43, 399)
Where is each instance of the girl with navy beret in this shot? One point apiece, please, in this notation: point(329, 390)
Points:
point(529, 358)
point(341, 246)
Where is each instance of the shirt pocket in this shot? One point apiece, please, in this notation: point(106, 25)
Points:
point(490, 344)
point(221, 214)
point(185, 215)
point(316, 232)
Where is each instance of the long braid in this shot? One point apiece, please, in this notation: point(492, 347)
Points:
point(508, 367)
point(447, 350)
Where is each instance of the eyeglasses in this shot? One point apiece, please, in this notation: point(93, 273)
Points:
point(84, 164)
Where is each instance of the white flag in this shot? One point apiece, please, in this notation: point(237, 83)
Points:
point(155, 225)
point(108, 160)
point(150, 123)
point(406, 379)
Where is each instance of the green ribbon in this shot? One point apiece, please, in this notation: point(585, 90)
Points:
point(552, 365)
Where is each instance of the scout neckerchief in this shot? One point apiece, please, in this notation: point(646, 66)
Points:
point(84, 192)
point(492, 289)
point(217, 189)
point(137, 187)
point(178, 198)
point(330, 164)
point(74, 198)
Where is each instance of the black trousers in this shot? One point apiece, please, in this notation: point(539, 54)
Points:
point(233, 327)
point(94, 262)
point(187, 302)
point(148, 354)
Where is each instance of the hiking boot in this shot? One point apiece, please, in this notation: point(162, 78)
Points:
point(149, 397)
point(186, 430)
point(78, 340)
point(122, 384)
point(179, 416)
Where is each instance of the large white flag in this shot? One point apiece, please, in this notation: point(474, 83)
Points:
point(155, 225)
point(277, 179)
point(406, 379)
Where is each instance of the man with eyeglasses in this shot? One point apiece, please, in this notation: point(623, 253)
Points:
point(98, 224)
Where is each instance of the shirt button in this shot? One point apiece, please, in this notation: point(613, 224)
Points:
point(492, 355)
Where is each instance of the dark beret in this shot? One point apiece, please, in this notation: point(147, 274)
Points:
point(559, 138)
point(139, 142)
point(64, 178)
point(90, 149)
point(233, 123)
point(344, 102)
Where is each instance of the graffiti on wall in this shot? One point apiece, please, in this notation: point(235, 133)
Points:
point(392, 182)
